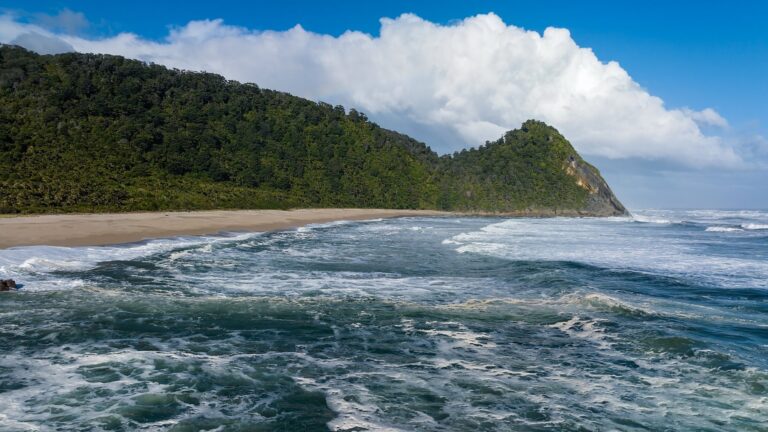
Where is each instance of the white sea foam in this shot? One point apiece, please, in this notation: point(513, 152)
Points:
point(314, 226)
point(459, 336)
point(616, 246)
point(723, 229)
point(709, 217)
point(359, 413)
point(479, 346)
point(61, 374)
point(206, 249)
point(58, 377)
point(31, 263)
point(726, 214)
point(609, 302)
point(755, 226)
point(586, 329)
point(654, 220)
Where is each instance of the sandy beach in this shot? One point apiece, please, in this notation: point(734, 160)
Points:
point(113, 228)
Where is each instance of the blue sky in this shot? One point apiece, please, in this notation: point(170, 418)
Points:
point(692, 55)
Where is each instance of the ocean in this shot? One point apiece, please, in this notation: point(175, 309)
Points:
point(653, 322)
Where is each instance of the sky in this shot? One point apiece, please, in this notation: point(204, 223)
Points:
point(666, 98)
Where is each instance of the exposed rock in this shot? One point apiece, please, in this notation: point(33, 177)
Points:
point(7, 284)
point(601, 200)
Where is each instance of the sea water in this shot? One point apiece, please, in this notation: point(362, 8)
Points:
point(653, 322)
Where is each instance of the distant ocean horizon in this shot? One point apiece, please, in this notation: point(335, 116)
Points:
point(656, 321)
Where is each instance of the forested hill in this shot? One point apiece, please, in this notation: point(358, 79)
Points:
point(84, 132)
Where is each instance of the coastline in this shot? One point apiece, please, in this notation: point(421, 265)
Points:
point(98, 229)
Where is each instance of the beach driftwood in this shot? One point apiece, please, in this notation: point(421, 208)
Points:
point(7, 284)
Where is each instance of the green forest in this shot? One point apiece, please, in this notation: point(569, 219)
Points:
point(96, 133)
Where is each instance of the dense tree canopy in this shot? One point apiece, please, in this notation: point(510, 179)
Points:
point(84, 132)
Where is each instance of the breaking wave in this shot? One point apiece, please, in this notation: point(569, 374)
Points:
point(433, 324)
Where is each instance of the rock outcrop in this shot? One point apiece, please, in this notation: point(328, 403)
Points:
point(601, 200)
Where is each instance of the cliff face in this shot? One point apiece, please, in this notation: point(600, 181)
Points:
point(84, 132)
point(601, 201)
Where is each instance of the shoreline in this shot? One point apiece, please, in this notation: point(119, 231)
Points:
point(99, 229)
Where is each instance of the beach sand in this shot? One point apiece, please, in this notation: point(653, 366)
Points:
point(112, 228)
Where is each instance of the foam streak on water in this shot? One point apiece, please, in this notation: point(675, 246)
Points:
point(653, 322)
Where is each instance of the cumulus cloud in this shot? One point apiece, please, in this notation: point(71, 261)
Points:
point(31, 37)
point(452, 86)
point(706, 117)
point(66, 21)
point(42, 44)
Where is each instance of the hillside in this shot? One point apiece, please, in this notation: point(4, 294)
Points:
point(84, 132)
point(531, 170)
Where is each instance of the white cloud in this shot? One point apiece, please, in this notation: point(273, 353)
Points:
point(42, 44)
point(66, 21)
point(706, 117)
point(450, 85)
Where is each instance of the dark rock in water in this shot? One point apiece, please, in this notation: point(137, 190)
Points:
point(7, 285)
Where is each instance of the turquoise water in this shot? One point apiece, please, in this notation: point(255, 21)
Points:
point(655, 322)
